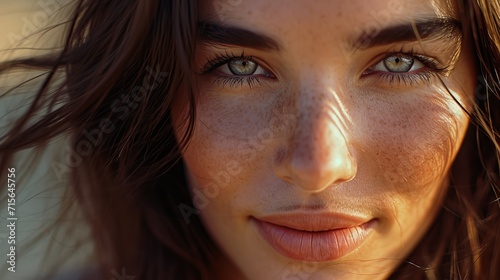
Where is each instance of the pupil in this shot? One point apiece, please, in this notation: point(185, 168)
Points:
point(398, 63)
point(242, 67)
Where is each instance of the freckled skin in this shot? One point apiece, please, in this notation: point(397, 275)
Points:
point(320, 135)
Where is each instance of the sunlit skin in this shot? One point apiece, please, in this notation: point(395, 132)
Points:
point(325, 127)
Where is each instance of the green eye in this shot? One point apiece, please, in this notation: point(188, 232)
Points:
point(237, 71)
point(398, 63)
point(242, 67)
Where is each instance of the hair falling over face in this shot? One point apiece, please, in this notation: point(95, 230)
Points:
point(131, 184)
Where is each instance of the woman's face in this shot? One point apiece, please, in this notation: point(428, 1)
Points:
point(323, 134)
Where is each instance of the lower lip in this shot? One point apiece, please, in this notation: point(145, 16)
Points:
point(317, 246)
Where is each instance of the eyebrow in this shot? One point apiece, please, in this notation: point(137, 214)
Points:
point(428, 28)
point(213, 33)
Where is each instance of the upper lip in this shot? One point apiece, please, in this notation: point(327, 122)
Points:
point(314, 221)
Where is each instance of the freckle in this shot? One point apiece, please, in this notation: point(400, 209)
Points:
point(279, 155)
point(249, 13)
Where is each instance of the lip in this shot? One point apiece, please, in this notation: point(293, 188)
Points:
point(316, 237)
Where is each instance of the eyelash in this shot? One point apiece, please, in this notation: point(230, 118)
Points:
point(434, 68)
point(406, 78)
point(233, 81)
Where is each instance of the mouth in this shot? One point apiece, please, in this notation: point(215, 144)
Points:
point(314, 237)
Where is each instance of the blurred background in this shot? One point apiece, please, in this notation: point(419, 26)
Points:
point(41, 186)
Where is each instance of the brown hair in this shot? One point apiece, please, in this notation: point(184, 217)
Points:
point(124, 65)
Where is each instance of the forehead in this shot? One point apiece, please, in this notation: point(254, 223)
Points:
point(290, 15)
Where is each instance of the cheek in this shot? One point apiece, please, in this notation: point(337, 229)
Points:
point(412, 145)
point(226, 145)
point(236, 131)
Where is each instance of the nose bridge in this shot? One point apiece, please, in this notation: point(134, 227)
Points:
point(321, 111)
point(322, 127)
point(317, 151)
point(317, 130)
point(320, 91)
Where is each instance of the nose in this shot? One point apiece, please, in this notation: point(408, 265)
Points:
point(315, 155)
